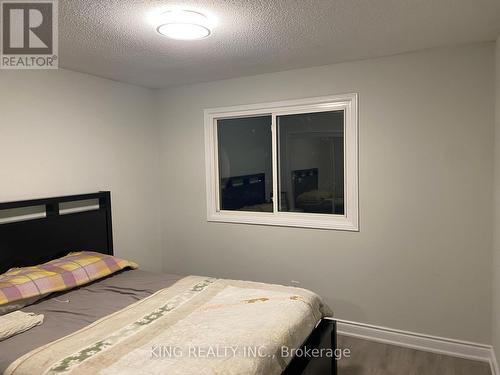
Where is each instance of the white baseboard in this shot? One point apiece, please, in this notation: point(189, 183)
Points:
point(434, 344)
point(494, 363)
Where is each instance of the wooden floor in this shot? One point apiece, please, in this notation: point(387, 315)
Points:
point(372, 358)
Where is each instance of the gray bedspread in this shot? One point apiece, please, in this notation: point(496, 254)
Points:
point(68, 312)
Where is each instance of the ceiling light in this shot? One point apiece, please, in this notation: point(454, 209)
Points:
point(183, 24)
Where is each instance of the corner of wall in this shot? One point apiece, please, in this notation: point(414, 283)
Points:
point(496, 213)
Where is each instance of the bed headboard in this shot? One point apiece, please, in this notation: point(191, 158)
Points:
point(33, 241)
point(304, 180)
point(241, 191)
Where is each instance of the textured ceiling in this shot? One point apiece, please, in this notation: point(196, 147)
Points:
point(115, 38)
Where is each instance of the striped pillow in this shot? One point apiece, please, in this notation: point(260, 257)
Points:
point(22, 286)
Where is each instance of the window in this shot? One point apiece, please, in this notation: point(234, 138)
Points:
point(291, 163)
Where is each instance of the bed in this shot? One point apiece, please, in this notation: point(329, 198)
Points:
point(309, 198)
point(245, 193)
point(209, 309)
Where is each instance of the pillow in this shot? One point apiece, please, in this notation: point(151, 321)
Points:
point(20, 287)
point(314, 196)
point(18, 322)
point(19, 304)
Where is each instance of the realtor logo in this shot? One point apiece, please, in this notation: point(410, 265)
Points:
point(29, 34)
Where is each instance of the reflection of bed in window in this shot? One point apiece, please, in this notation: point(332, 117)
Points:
point(308, 198)
point(247, 193)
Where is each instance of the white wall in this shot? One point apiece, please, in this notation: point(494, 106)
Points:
point(496, 200)
point(422, 258)
point(67, 133)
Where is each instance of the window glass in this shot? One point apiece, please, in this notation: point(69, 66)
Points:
point(288, 163)
point(311, 162)
point(245, 164)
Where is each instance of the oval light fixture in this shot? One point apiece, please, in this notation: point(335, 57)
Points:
point(183, 25)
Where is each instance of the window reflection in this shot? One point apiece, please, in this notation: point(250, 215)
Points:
point(311, 162)
point(245, 163)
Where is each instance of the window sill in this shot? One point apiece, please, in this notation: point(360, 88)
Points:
point(282, 219)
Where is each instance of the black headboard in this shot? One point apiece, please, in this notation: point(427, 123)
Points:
point(30, 242)
point(240, 191)
point(304, 180)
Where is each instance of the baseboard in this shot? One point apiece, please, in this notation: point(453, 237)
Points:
point(434, 344)
point(494, 363)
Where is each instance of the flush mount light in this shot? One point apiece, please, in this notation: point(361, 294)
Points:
point(183, 24)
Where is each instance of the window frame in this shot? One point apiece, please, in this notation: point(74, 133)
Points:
point(346, 102)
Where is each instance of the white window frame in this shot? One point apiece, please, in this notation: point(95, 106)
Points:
point(346, 102)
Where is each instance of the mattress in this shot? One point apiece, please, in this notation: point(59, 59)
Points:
point(130, 322)
point(68, 312)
